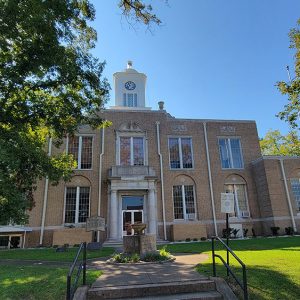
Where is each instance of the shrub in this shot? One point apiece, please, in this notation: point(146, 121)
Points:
point(235, 232)
point(203, 238)
point(187, 239)
point(253, 233)
point(195, 239)
point(164, 253)
point(226, 232)
point(245, 231)
point(289, 230)
point(125, 258)
point(275, 230)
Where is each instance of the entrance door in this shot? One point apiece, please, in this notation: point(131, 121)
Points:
point(131, 217)
point(132, 213)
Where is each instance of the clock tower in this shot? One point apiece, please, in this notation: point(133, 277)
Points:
point(130, 86)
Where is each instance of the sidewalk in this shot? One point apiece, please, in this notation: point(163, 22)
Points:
point(180, 270)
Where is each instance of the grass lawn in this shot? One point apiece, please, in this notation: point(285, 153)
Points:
point(273, 265)
point(29, 282)
point(50, 254)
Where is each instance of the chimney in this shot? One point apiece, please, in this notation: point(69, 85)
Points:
point(161, 105)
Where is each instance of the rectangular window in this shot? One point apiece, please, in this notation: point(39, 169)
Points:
point(295, 183)
point(130, 99)
point(240, 199)
point(231, 153)
point(77, 204)
point(180, 151)
point(184, 202)
point(131, 151)
point(81, 149)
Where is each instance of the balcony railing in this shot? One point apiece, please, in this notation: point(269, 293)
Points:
point(121, 171)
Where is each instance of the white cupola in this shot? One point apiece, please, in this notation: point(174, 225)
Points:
point(130, 86)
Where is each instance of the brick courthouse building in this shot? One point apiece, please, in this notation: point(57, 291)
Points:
point(151, 167)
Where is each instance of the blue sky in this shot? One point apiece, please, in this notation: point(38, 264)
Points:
point(211, 59)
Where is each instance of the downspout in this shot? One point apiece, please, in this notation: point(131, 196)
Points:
point(45, 198)
point(210, 180)
point(288, 195)
point(100, 181)
point(161, 179)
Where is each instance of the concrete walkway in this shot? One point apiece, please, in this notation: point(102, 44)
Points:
point(180, 270)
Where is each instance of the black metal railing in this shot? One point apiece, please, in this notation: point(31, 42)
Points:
point(71, 288)
point(242, 284)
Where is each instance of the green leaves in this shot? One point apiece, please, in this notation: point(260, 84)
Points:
point(291, 110)
point(49, 85)
point(274, 143)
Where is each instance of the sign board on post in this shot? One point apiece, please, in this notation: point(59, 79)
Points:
point(227, 203)
point(95, 224)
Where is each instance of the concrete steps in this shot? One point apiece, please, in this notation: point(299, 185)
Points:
point(195, 289)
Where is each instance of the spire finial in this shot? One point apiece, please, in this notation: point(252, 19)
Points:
point(129, 64)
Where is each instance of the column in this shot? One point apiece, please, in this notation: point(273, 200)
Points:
point(113, 220)
point(152, 212)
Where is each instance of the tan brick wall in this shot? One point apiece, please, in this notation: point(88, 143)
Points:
point(185, 231)
point(71, 236)
point(263, 181)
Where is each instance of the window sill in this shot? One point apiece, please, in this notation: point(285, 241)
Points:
point(224, 169)
point(184, 220)
point(182, 169)
point(82, 169)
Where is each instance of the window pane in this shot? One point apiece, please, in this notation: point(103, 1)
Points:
point(124, 99)
point(70, 205)
point(135, 100)
point(223, 146)
point(86, 152)
point(178, 204)
point(73, 147)
point(186, 149)
point(174, 153)
point(138, 151)
point(130, 100)
point(237, 161)
point(241, 197)
point(124, 151)
point(189, 199)
point(84, 197)
point(295, 183)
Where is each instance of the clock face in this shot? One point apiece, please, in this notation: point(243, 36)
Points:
point(130, 85)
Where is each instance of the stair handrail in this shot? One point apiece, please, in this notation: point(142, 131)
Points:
point(243, 284)
point(81, 267)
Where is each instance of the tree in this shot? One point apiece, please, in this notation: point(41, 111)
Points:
point(291, 112)
point(274, 143)
point(49, 85)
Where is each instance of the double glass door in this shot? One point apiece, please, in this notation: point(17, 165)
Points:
point(131, 217)
point(132, 213)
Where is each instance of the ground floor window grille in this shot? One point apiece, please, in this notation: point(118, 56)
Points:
point(240, 199)
point(295, 183)
point(184, 202)
point(77, 204)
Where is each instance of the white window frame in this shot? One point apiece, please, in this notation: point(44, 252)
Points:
point(180, 152)
point(185, 218)
point(131, 135)
point(80, 136)
point(236, 202)
point(126, 100)
point(229, 151)
point(295, 201)
point(77, 204)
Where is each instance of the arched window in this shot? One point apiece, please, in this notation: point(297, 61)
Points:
point(295, 185)
point(236, 184)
